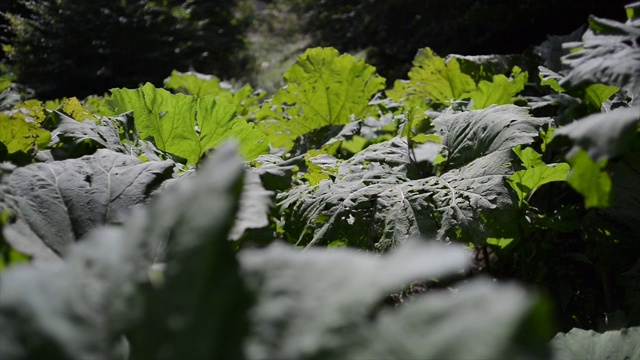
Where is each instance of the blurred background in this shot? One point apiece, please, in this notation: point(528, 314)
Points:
point(77, 48)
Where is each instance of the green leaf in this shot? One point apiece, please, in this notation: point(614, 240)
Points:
point(193, 83)
point(295, 319)
point(20, 135)
point(198, 309)
point(8, 255)
point(604, 56)
point(596, 94)
point(379, 198)
point(433, 78)
point(187, 126)
point(74, 139)
point(500, 91)
point(470, 135)
point(535, 174)
point(550, 78)
point(60, 201)
point(245, 99)
point(74, 109)
point(321, 88)
point(590, 345)
point(590, 179)
point(604, 135)
point(113, 283)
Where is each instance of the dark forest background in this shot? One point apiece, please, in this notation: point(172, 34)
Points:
point(77, 48)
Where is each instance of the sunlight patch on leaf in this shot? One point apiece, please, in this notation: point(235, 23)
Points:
point(321, 88)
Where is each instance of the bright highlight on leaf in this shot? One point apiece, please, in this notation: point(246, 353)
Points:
point(500, 91)
point(245, 99)
point(590, 179)
point(187, 126)
point(322, 88)
point(18, 134)
point(535, 174)
point(437, 80)
point(434, 78)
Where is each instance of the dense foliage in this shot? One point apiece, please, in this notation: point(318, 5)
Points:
point(471, 210)
point(64, 48)
point(392, 31)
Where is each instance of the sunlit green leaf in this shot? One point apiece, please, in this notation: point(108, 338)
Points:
point(500, 91)
point(596, 94)
point(19, 134)
point(535, 174)
point(431, 77)
point(187, 126)
point(590, 179)
point(321, 88)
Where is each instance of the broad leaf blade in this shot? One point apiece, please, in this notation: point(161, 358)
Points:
point(186, 126)
point(604, 135)
point(20, 135)
point(295, 319)
point(322, 88)
point(500, 91)
point(605, 56)
point(433, 78)
point(379, 198)
point(473, 134)
point(589, 345)
point(48, 197)
point(535, 174)
point(80, 309)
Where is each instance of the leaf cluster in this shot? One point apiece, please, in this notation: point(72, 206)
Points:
point(345, 222)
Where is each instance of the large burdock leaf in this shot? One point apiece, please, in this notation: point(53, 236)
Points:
point(609, 53)
point(111, 298)
point(473, 134)
point(321, 88)
point(327, 304)
point(59, 202)
point(604, 135)
point(590, 345)
point(244, 99)
point(20, 135)
point(433, 78)
point(596, 139)
point(381, 197)
point(187, 126)
point(438, 81)
point(73, 138)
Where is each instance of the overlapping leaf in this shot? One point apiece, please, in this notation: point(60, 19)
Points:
point(379, 197)
point(187, 126)
point(21, 135)
point(596, 139)
point(326, 304)
point(590, 345)
point(434, 78)
point(59, 202)
point(244, 99)
point(609, 53)
point(440, 81)
point(109, 284)
point(535, 173)
point(322, 88)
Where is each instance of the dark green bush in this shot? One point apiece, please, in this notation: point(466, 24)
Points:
point(392, 31)
point(77, 47)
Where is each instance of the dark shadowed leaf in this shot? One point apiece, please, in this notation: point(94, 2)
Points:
point(59, 202)
point(380, 198)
